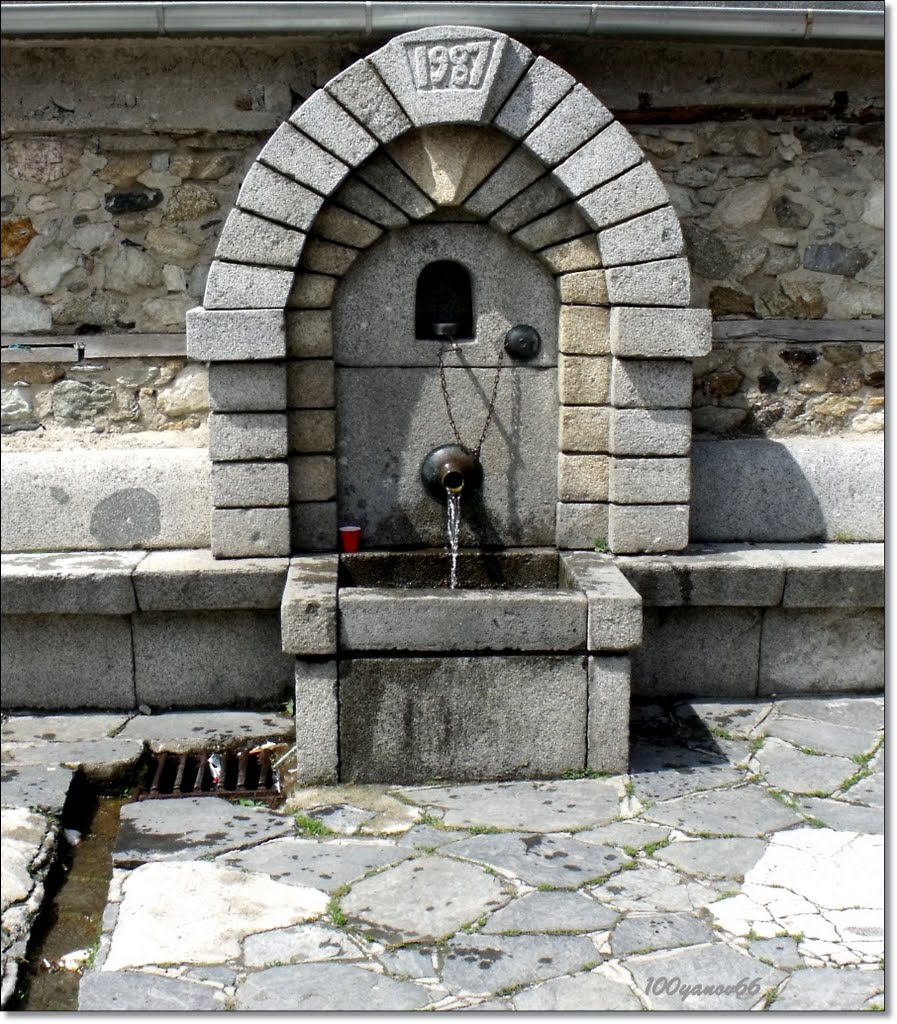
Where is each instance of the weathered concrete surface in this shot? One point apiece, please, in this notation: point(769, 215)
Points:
point(112, 498)
point(193, 731)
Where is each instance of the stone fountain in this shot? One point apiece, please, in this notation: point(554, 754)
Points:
point(452, 236)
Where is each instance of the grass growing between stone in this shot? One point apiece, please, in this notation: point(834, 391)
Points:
point(307, 826)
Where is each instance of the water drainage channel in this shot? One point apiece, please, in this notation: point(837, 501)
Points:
point(67, 930)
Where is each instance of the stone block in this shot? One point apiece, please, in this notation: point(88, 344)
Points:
point(583, 288)
point(246, 238)
point(584, 428)
point(572, 122)
point(309, 333)
point(466, 620)
point(277, 197)
point(313, 525)
point(247, 387)
point(322, 257)
point(310, 384)
point(250, 532)
point(833, 575)
point(608, 721)
point(584, 380)
point(374, 320)
point(449, 161)
point(391, 416)
point(247, 435)
point(118, 499)
point(726, 575)
point(406, 720)
point(317, 722)
point(583, 330)
point(238, 286)
point(580, 254)
point(69, 584)
point(650, 432)
point(361, 91)
point(581, 525)
point(615, 608)
point(346, 228)
point(583, 477)
point(390, 181)
point(195, 581)
point(185, 732)
point(308, 611)
point(637, 191)
point(805, 489)
point(250, 484)
point(606, 156)
point(558, 226)
point(650, 481)
point(651, 236)
point(64, 662)
point(635, 529)
point(467, 89)
point(321, 118)
point(209, 659)
point(542, 196)
point(661, 283)
point(833, 650)
point(652, 384)
point(702, 652)
point(542, 87)
point(660, 333)
point(236, 334)
point(312, 430)
point(313, 477)
point(362, 200)
point(312, 291)
point(508, 180)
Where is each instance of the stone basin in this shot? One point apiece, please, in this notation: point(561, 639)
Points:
point(523, 674)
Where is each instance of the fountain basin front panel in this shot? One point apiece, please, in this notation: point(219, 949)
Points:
point(524, 676)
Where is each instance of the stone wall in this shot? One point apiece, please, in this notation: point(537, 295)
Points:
point(113, 203)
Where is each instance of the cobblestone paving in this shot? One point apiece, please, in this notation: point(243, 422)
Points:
point(739, 865)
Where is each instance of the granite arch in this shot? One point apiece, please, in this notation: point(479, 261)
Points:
point(469, 120)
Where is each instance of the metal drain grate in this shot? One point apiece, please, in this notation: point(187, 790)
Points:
point(246, 774)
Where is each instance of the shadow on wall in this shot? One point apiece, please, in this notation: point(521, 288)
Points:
point(796, 490)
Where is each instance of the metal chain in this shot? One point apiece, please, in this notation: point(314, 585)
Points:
point(492, 400)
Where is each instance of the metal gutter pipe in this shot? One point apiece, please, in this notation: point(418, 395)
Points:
point(819, 26)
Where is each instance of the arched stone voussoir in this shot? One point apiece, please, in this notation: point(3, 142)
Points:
point(451, 74)
point(650, 236)
point(247, 238)
point(321, 118)
point(297, 156)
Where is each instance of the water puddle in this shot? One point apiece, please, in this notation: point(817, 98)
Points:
point(71, 921)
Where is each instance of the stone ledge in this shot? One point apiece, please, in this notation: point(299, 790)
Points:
point(69, 583)
point(194, 580)
point(749, 576)
point(308, 611)
point(615, 608)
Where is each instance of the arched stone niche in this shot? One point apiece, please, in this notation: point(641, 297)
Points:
point(462, 129)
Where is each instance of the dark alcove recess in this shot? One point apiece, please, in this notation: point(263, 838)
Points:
point(443, 305)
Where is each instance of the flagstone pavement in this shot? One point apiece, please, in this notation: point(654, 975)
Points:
point(739, 865)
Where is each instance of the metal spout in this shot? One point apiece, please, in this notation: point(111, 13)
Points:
point(450, 469)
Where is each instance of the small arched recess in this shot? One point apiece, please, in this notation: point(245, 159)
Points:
point(464, 124)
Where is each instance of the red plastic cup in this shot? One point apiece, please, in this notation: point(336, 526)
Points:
point(349, 538)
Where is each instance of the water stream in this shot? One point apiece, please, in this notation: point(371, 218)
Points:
point(71, 920)
point(453, 530)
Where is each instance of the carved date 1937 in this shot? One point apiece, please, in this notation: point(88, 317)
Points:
point(458, 65)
